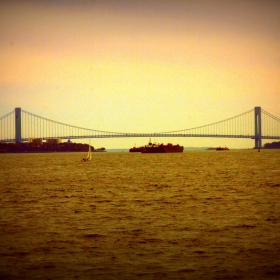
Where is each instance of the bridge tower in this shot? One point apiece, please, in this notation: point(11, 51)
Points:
point(18, 125)
point(258, 128)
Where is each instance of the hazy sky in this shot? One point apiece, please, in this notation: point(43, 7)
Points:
point(140, 65)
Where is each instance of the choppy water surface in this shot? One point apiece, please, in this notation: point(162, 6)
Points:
point(196, 215)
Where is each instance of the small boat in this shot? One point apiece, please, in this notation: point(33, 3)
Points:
point(88, 158)
point(100, 150)
point(222, 149)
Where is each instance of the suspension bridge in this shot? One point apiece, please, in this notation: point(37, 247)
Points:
point(257, 124)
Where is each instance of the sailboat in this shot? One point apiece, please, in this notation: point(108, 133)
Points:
point(88, 158)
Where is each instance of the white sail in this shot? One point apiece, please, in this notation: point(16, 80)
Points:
point(89, 151)
point(88, 158)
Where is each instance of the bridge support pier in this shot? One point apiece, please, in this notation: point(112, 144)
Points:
point(18, 125)
point(258, 128)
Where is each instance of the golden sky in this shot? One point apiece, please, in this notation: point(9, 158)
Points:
point(140, 65)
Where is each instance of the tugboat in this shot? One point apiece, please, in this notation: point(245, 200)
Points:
point(161, 148)
point(222, 149)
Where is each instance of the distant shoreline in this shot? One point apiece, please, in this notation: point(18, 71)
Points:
point(78, 147)
point(117, 151)
point(46, 147)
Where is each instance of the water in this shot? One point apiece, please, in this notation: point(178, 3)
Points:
point(196, 215)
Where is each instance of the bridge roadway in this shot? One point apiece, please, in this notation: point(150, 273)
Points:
point(43, 128)
point(130, 135)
